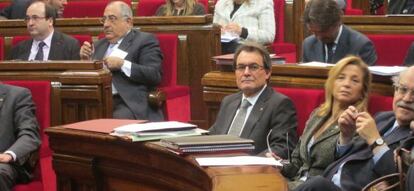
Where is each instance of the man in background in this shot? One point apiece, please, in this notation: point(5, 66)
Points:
point(17, 9)
point(257, 112)
point(46, 43)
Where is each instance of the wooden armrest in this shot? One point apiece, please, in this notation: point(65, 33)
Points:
point(156, 98)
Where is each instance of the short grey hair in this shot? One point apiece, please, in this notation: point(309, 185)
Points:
point(396, 79)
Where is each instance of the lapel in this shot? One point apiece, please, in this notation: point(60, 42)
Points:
point(56, 45)
point(231, 111)
point(2, 95)
point(319, 51)
point(256, 112)
point(25, 52)
point(343, 45)
point(100, 49)
point(127, 41)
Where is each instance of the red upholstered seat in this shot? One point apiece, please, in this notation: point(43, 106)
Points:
point(1, 48)
point(391, 48)
point(4, 4)
point(352, 11)
point(378, 103)
point(305, 101)
point(178, 97)
point(84, 9)
point(41, 97)
point(149, 7)
point(279, 46)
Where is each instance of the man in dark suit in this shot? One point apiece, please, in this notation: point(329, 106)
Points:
point(257, 112)
point(370, 155)
point(19, 135)
point(46, 43)
point(17, 9)
point(134, 59)
point(331, 40)
point(401, 7)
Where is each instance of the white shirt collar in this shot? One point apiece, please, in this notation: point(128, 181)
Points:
point(47, 40)
point(253, 99)
point(339, 34)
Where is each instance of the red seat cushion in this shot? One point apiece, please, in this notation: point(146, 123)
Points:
point(279, 45)
point(378, 103)
point(391, 48)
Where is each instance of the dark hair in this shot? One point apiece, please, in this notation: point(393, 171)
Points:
point(249, 46)
point(50, 11)
point(324, 13)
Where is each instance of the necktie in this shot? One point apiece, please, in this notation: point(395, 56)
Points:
point(238, 122)
point(330, 52)
point(39, 55)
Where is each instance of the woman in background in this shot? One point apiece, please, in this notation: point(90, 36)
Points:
point(180, 8)
point(348, 84)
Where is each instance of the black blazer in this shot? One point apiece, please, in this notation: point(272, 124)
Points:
point(63, 47)
point(271, 111)
point(16, 10)
point(350, 42)
point(359, 169)
point(145, 55)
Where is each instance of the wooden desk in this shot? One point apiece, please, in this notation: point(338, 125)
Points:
point(218, 84)
point(95, 161)
point(81, 90)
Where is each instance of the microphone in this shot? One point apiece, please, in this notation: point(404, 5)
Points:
point(284, 162)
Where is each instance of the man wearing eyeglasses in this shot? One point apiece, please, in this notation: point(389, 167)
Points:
point(257, 112)
point(369, 155)
point(46, 43)
point(134, 59)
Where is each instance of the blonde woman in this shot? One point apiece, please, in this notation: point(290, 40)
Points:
point(180, 8)
point(348, 84)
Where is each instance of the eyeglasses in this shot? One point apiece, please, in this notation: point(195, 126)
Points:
point(110, 18)
point(34, 18)
point(252, 67)
point(403, 90)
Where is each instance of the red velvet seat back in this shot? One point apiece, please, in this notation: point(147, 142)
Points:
point(391, 48)
point(287, 50)
point(4, 5)
point(168, 45)
point(1, 48)
point(378, 103)
point(305, 101)
point(149, 7)
point(84, 9)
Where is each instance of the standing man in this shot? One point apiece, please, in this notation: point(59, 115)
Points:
point(331, 40)
point(134, 59)
point(46, 43)
point(19, 135)
point(17, 9)
point(257, 112)
point(370, 155)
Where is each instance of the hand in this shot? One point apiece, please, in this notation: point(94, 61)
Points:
point(346, 123)
point(5, 158)
point(270, 155)
point(366, 128)
point(86, 51)
point(233, 28)
point(113, 63)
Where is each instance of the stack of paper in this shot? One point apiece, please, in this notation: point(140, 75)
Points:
point(157, 130)
point(316, 64)
point(386, 70)
point(237, 161)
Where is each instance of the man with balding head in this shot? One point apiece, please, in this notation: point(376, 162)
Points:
point(134, 59)
point(369, 155)
point(46, 42)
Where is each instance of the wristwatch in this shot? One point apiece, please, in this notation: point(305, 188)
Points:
point(378, 142)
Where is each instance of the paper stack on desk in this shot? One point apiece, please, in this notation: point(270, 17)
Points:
point(237, 161)
point(157, 130)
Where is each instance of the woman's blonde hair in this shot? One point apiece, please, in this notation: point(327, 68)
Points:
point(188, 10)
point(334, 72)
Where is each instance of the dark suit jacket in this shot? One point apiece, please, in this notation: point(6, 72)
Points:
point(16, 10)
point(409, 57)
point(350, 42)
point(359, 169)
point(271, 111)
point(315, 161)
point(145, 55)
point(63, 47)
point(397, 7)
point(19, 130)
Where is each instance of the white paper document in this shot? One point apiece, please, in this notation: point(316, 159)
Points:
point(386, 70)
point(317, 64)
point(119, 53)
point(153, 126)
point(228, 37)
point(237, 161)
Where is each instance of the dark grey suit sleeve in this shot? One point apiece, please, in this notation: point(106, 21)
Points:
point(26, 126)
point(74, 49)
point(409, 57)
point(368, 53)
point(147, 69)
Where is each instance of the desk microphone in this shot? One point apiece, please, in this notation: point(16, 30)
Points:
point(287, 145)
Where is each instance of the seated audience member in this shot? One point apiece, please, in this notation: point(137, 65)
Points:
point(401, 7)
point(133, 75)
point(46, 43)
point(180, 8)
point(409, 58)
point(332, 40)
point(257, 110)
point(348, 84)
point(19, 135)
point(251, 20)
point(17, 9)
point(369, 155)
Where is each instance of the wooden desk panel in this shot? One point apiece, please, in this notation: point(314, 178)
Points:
point(104, 162)
point(80, 90)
